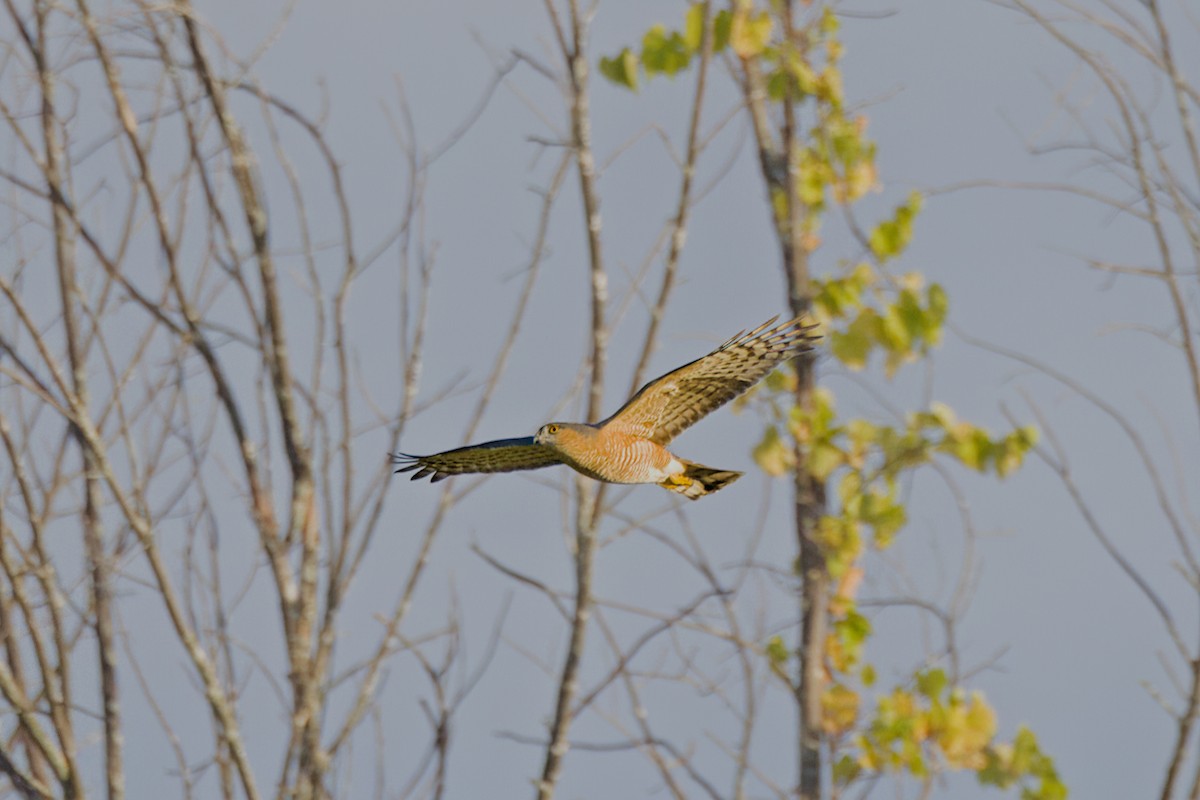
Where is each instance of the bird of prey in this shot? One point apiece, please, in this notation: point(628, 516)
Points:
point(630, 446)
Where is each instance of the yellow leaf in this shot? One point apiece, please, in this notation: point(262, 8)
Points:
point(835, 651)
point(829, 21)
point(899, 705)
point(829, 86)
point(847, 588)
point(779, 204)
point(913, 281)
point(839, 709)
point(943, 414)
point(848, 488)
point(823, 459)
point(693, 27)
point(861, 177)
point(967, 730)
point(870, 757)
point(750, 32)
point(841, 541)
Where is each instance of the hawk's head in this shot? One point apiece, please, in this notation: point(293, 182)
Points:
point(552, 432)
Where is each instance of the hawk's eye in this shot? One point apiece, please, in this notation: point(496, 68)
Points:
point(551, 429)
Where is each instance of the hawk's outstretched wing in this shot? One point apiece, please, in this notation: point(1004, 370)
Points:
point(666, 406)
point(502, 455)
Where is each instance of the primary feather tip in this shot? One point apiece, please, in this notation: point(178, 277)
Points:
point(407, 463)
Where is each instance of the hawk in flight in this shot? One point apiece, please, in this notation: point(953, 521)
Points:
point(630, 446)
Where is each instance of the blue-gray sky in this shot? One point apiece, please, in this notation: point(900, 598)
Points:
point(956, 91)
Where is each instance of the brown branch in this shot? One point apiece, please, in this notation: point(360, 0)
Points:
point(94, 547)
point(640, 714)
point(412, 359)
point(12, 651)
point(52, 168)
point(1122, 96)
point(588, 500)
point(181, 764)
point(809, 502)
point(532, 269)
point(37, 740)
point(1177, 527)
point(1179, 86)
point(300, 603)
point(217, 698)
point(25, 785)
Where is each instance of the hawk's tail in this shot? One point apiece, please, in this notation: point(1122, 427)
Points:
point(697, 480)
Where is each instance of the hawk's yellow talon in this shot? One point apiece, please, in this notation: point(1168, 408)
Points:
point(680, 480)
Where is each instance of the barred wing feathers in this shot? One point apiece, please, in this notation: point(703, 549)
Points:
point(502, 455)
point(666, 406)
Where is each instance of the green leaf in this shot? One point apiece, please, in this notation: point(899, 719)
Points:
point(914, 318)
point(932, 682)
point(862, 432)
point(881, 511)
point(896, 336)
point(1024, 762)
point(1024, 750)
point(888, 525)
point(867, 675)
point(846, 140)
point(824, 408)
point(1011, 452)
point(938, 304)
point(845, 770)
point(777, 651)
point(816, 423)
point(973, 447)
point(722, 27)
point(664, 51)
point(849, 490)
point(839, 538)
point(777, 656)
point(853, 628)
point(815, 175)
point(837, 297)
point(853, 346)
point(828, 86)
point(622, 69)
point(693, 28)
point(781, 380)
point(914, 759)
point(890, 237)
point(793, 77)
point(772, 454)
point(1050, 789)
point(777, 85)
point(939, 415)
